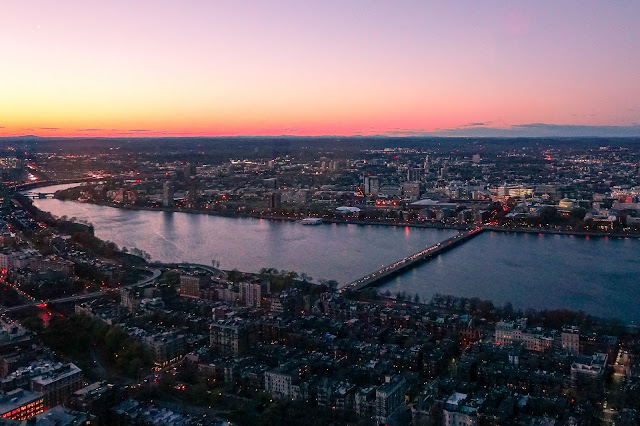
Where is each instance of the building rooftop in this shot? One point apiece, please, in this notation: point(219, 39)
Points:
point(456, 398)
point(16, 398)
point(59, 415)
point(43, 371)
point(93, 389)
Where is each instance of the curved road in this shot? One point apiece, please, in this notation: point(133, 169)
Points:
point(155, 273)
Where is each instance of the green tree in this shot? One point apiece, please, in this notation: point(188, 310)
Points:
point(171, 278)
point(332, 284)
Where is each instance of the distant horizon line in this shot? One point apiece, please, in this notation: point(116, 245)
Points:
point(468, 130)
point(377, 136)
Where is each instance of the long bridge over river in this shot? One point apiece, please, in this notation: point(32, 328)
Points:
point(384, 274)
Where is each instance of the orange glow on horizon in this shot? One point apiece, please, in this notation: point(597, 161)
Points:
point(217, 68)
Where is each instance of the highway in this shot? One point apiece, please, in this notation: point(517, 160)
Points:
point(155, 273)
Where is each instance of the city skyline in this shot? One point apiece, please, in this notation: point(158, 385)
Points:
point(326, 280)
point(222, 69)
point(362, 212)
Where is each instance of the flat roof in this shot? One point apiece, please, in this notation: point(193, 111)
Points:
point(16, 398)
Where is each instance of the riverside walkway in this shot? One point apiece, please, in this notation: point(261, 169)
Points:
point(384, 274)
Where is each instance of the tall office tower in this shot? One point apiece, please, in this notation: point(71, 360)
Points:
point(167, 194)
point(415, 174)
point(189, 170)
point(193, 191)
point(274, 200)
point(371, 185)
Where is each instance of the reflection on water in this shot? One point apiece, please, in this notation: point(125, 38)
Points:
point(340, 252)
point(600, 276)
point(597, 275)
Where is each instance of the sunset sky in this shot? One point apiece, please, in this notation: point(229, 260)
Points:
point(344, 67)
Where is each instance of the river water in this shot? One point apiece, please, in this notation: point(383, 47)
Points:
point(597, 275)
point(340, 252)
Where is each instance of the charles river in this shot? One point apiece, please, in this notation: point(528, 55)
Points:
point(600, 276)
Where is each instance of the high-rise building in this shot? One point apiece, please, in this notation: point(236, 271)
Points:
point(324, 163)
point(167, 193)
point(190, 285)
point(251, 293)
point(371, 185)
point(390, 399)
point(193, 191)
point(274, 200)
point(189, 170)
point(415, 174)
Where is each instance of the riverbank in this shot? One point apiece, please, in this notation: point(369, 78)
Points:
point(595, 234)
point(42, 183)
point(275, 218)
point(348, 220)
point(541, 272)
point(369, 222)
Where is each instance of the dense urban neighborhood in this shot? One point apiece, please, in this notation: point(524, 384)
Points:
point(93, 333)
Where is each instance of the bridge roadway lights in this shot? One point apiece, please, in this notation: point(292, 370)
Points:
point(442, 247)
